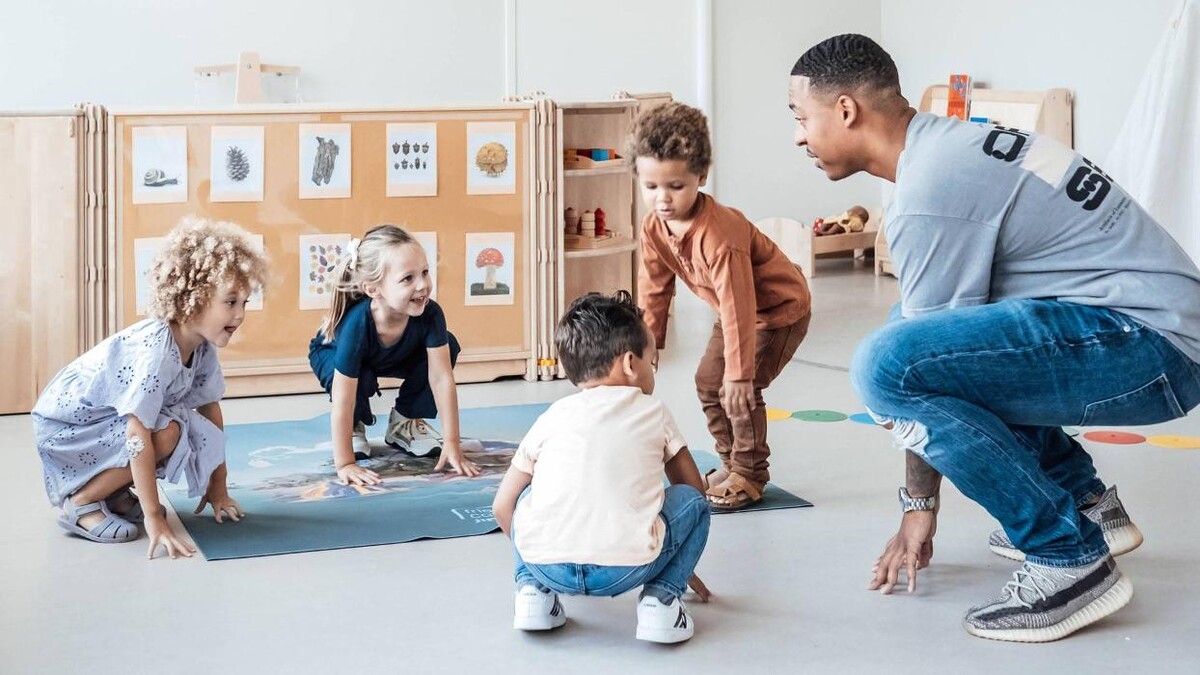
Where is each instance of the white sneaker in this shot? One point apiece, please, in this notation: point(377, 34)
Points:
point(663, 623)
point(537, 610)
point(358, 440)
point(415, 437)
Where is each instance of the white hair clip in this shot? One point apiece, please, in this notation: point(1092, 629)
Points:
point(352, 251)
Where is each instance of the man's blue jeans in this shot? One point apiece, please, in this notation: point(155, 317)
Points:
point(980, 394)
point(686, 514)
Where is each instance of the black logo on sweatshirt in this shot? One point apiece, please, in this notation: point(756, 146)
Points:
point(1089, 186)
point(1003, 143)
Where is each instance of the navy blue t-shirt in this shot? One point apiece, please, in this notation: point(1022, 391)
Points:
point(356, 342)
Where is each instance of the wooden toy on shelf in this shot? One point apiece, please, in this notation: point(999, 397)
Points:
point(852, 220)
point(600, 228)
point(587, 225)
point(571, 218)
point(591, 158)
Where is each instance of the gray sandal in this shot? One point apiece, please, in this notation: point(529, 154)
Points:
point(111, 530)
point(134, 514)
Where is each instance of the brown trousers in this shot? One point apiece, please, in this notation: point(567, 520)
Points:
point(741, 442)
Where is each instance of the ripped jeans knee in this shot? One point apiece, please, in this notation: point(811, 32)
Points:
point(908, 435)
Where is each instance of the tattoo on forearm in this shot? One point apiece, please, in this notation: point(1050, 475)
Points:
point(922, 480)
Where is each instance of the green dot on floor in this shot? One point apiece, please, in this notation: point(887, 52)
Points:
point(818, 416)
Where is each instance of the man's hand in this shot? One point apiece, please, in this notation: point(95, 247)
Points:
point(911, 549)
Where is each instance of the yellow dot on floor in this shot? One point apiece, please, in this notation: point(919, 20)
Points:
point(1177, 442)
point(775, 414)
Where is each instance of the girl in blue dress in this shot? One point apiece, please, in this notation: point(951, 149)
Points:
point(382, 323)
point(145, 403)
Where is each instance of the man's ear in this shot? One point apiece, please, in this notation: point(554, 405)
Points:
point(627, 365)
point(847, 109)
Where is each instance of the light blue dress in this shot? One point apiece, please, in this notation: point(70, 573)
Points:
point(79, 421)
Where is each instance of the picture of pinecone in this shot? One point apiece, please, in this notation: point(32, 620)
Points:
point(237, 167)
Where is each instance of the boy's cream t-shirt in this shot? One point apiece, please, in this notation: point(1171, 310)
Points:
point(596, 458)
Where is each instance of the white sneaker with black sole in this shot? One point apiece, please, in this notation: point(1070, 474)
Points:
point(413, 436)
point(667, 624)
point(535, 609)
point(1121, 535)
point(1041, 603)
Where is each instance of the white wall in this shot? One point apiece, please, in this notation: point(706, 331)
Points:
point(758, 168)
point(579, 50)
point(141, 52)
point(1097, 48)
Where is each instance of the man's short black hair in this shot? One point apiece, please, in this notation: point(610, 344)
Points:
point(847, 62)
point(595, 330)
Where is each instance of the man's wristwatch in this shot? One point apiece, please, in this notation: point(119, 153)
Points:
point(910, 503)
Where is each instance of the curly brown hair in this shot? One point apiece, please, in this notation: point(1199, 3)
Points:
point(198, 257)
point(672, 131)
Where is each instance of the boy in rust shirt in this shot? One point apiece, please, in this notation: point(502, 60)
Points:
point(761, 298)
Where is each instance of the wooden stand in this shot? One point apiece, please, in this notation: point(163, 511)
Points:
point(249, 70)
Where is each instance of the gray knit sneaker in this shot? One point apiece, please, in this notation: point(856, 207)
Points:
point(1121, 535)
point(1041, 603)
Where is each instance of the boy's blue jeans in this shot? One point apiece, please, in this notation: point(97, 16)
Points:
point(686, 514)
point(980, 394)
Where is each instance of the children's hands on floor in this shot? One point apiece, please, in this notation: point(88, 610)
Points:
point(737, 397)
point(353, 474)
point(698, 586)
point(453, 454)
point(161, 534)
point(222, 504)
point(910, 549)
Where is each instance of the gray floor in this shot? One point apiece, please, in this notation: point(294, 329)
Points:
point(789, 585)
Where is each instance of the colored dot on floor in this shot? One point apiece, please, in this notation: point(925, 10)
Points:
point(776, 414)
point(818, 416)
point(1176, 442)
point(1071, 431)
point(1114, 437)
point(862, 418)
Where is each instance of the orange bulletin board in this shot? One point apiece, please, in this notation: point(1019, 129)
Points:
point(271, 349)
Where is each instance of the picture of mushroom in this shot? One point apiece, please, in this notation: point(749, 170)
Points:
point(490, 259)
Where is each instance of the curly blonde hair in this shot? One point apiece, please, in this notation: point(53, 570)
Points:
point(198, 257)
point(672, 131)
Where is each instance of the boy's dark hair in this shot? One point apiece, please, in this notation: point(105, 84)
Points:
point(846, 63)
point(672, 131)
point(597, 329)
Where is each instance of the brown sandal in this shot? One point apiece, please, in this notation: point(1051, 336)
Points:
point(737, 491)
point(710, 479)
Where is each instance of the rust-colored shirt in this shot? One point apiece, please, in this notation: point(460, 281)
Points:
point(732, 266)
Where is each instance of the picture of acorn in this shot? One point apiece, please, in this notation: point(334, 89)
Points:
point(425, 147)
point(492, 159)
point(237, 166)
point(405, 148)
point(395, 148)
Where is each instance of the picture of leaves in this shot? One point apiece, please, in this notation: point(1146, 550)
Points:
point(319, 255)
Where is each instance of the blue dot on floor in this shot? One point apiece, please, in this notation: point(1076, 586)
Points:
point(862, 418)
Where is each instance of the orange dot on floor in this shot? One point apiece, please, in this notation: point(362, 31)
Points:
point(1115, 437)
point(775, 414)
point(1177, 442)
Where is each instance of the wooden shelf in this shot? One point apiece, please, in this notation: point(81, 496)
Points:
point(598, 171)
point(625, 247)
